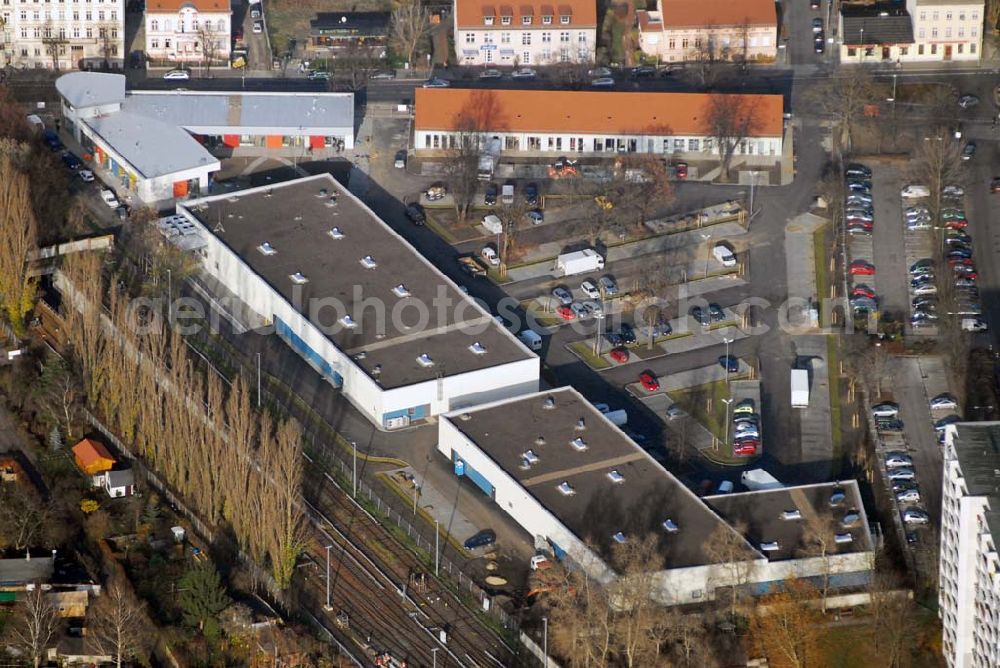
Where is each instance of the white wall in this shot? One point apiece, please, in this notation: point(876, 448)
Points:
point(486, 46)
point(169, 29)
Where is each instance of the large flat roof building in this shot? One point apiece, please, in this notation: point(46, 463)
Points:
point(360, 304)
point(969, 579)
point(572, 479)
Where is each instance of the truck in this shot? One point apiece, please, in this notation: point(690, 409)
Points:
point(800, 388)
point(489, 158)
point(471, 266)
point(758, 479)
point(580, 262)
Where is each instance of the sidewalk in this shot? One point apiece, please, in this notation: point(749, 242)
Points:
point(815, 426)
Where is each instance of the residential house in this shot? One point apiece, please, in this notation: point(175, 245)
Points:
point(596, 123)
point(117, 483)
point(525, 33)
point(871, 34)
point(63, 36)
point(188, 31)
point(682, 30)
point(946, 29)
point(334, 32)
point(969, 564)
point(92, 457)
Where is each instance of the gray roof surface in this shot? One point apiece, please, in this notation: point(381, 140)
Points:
point(599, 508)
point(90, 89)
point(867, 26)
point(761, 512)
point(19, 570)
point(121, 478)
point(152, 147)
point(205, 110)
point(977, 448)
point(295, 218)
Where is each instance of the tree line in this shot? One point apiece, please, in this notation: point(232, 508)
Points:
point(237, 469)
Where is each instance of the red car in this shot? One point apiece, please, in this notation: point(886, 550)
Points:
point(649, 381)
point(858, 222)
point(956, 261)
point(682, 170)
point(619, 355)
point(957, 224)
point(862, 268)
point(863, 290)
point(566, 313)
point(745, 450)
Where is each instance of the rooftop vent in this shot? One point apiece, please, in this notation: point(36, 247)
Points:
point(581, 424)
point(266, 249)
point(769, 547)
point(336, 233)
point(348, 321)
point(465, 417)
point(615, 477)
point(619, 537)
point(478, 348)
point(530, 457)
point(540, 440)
point(851, 518)
point(323, 192)
point(550, 402)
point(401, 291)
point(566, 489)
point(670, 526)
point(843, 538)
point(232, 198)
point(299, 278)
point(368, 262)
point(268, 193)
point(331, 202)
point(791, 515)
point(425, 360)
point(837, 498)
point(578, 444)
point(360, 356)
point(298, 218)
point(377, 370)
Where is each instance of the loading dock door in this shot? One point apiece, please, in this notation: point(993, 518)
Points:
point(474, 476)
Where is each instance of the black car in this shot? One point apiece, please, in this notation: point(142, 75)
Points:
point(643, 71)
point(715, 313)
point(531, 194)
point(491, 194)
point(481, 539)
point(614, 338)
point(627, 333)
point(415, 213)
point(702, 318)
point(51, 139)
point(71, 161)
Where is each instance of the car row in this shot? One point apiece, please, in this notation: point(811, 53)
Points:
point(745, 429)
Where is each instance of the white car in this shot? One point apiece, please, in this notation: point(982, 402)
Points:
point(912, 192)
point(902, 474)
point(926, 289)
point(909, 496)
point(491, 256)
point(108, 197)
point(724, 255)
point(86, 175)
point(258, 27)
point(944, 400)
point(953, 191)
point(525, 73)
point(885, 409)
point(916, 516)
point(590, 290)
point(594, 307)
point(255, 13)
point(177, 75)
point(898, 461)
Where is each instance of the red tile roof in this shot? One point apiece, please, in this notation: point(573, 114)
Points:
point(177, 5)
point(685, 13)
point(590, 112)
point(89, 452)
point(469, 13)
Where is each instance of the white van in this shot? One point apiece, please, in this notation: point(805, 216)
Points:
point(531, 338)
point(973, 325)
point(910, 192)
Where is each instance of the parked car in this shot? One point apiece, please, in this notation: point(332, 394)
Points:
point(744, 407)
point(926, 289)
point(942, 424)
point(609, 285)
point(177, 75)
point(563, 295)
point(436, 192)
point(415, 213)
point(536, 216)
point(109, 198)
point(724, 255)
point(817, 25)
point(620, 355)
point(489, 254)
point(566, 313)
point(643, 71)
point(590, 290)
point(943, 400)
point(914, 191)
point(700, 316)
point(969, 150)
point(383, 75)
point(531, 194)
point(968, 101)
point(524, 73)
point(86, 175)
point(862, 268)
point(856, 169)
point(649, 381)
point(715, 313)
point(902, 474)
point(995, 185)
point(258, 27)
point(481, 539)
point(490, 194)
point(952, 190)
point(594, 308)
point(920, 265)
point(603, 82)
point(628, 334)
point(436, 82)
point(580, 310)
point(862, 290)
point(675, 411)
point(898, 461)
point(490, 73)
point(400, 160)
point(885, 409)
point(71, 161)
point(916, 516)
point(729, 363)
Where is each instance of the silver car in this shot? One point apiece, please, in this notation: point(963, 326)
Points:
point(902, 474)
point(609, 285)
point(563, 295)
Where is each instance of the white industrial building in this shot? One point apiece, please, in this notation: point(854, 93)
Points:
point(155, 144)
point(572, 479)
point(969, 586)
point(67, 35)
point(355, 300)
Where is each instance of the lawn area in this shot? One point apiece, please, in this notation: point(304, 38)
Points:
point(694, 401)
point(822, 269)
point(290, 18)
point(585, 351)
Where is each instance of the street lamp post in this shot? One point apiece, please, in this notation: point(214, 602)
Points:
point(354, 478)
point(727, 341)
point(437, 548)
point(434, 656)
point(328, 607)
point(545, 640)
point(258, 380)
point(727, 402)
point(705, 237)
point(861, 53)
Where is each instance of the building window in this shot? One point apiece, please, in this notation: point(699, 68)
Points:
point(693, 144)
point(546, 55)
point(706, 145)
point(166, 43)
point(38, 51)
point(155, 44)
point(563, 55)
point(564, 37)
point(546, 38)
point(100, 15)
point(975, 16)
point(564, 20)
point(678, 145)
point(526, 57)
point(974, 32)
point(960, 48)
point(526, 20)
point(76, 15)
point(934, 32)
point(947, 32)
point(684, 43)
point(851, 51)
point(546, 20)
point(505, 20)
point(671, 44)
point(76, 33)
point(904, 50)
point(697, 42)
point(920, 49)
point(526, 39)
point(920, 35)
point(933, 49)
point(947, 17)
point(923, 16)
point(487, 20)
point(505, 38)
point(221, 25)
point(935, 16)
point(24, 33)
point(470, 38)
point(488, 37)
point(961, 16)
point(961, 32)
point(581, 38)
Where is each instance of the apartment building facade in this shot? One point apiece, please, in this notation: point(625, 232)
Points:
point(73, 34)
point(946, 30)
point(681, 30)
point(188, 31)
point(525, 34)
point(969, 587)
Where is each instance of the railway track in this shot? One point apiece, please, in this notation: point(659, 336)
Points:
point(394, 616)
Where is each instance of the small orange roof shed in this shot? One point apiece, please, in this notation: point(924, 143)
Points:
point(92, 457)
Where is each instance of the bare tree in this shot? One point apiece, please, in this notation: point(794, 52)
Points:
point(18, 239)
point(787, 628)
point(56, 391)
point(108, 39)
point(355, 65)
point(119, 624)
point(55, 43)
point(733, 558)
point(892, 616)
point(845, 99)
point(23, 515)
point(729, 120)
point(410, 25)
point(480, 114)
point(709, 57)
point(937, 162)
point(637, 561)
point(34, 625)
point(210, 41)
point(818, 541)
